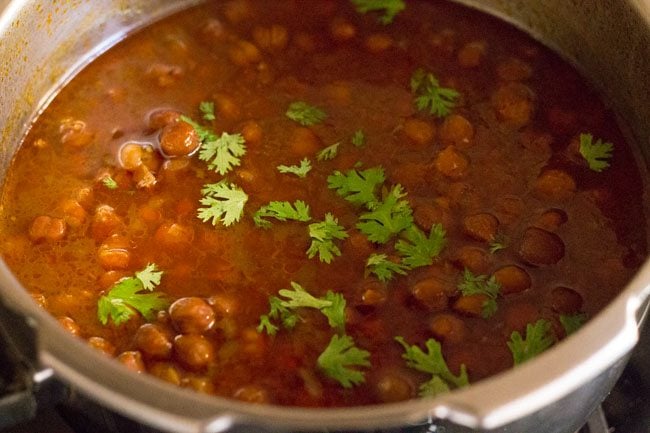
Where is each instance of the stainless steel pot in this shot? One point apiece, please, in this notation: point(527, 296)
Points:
point(42, 43)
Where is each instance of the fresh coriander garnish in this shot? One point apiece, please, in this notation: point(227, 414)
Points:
point(419, 250)
point(481, 285)
point(109, 182)
point(332, 306)
point(538, 339)
point(596, 154)
point(388, 217)
point(328, 153)
point(225, 203)
point(323, 234)
point(305, 114)
point(223, 153)
point(282, 211)
point(126, 297)
point(432, 362)
point(429, 95)
point(357, 187)
point(383, 267)
point(299, 170)
point(339, 359)
point(207, 110)
point(358, 138)
point(497, 244)
point(572, 322)
point(390, 8)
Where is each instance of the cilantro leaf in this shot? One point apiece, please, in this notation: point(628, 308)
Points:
point(335, 312)
point(223, 153)
point(481, 285)
point(332, 306)
point(305, 114)
point(429, 95)
point(328, 153)
point(109, 182)
point(282, 211)
point(572, 322)
point(390, 8)
point(358, 138)
point(225, 203)
point(339, 357)
point(434, 363)
point(383, 268)
point(357, 187)
point(538, 339)
point(299, 170)
point(205, 134)
point(207, 110)
point(596, 154)
point(149, 277)
point(125, 298)
point(497, 244)
point(420, 250)
point(323, 234)
point(387, 218)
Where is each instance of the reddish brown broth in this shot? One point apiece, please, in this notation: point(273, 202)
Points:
point(358, 71)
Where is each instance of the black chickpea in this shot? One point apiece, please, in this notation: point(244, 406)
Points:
point(191, 315)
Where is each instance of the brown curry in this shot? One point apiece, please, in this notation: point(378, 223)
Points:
point(412, 180)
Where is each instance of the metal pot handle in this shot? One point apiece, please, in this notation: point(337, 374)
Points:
point(23, 384)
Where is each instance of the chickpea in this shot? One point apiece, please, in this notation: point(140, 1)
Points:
point(153, 341)
point(448, 328)
point(73, 213)
point(47, 228)
point(451, 163)
point(109, 278)
point(105, 221)
point(391, 386)
point(173, 235)
point(132, 360)
point(512, 279)
point(482, 226)
point(160, 118)
point(131, 156)
point(419, 132)
point(513, 103)
point(475, 259)
point(273, 38)
point(551, 219)
point(244, 53)
point(514, 69)
point(471, 305)
point(304, 142)
point(431, 293)
point(179, 139)
point(166, 372)
point(378, 42)
point(164, 75)
point(457, 130)
point(539, 247)
point(74, 133)
point(195, 352)
point(202, 385)
point(69, 325)
point(554, 185)
point(252, 394)
point(564, 300)
point(471, 54)
point(102, 345)
point(191, 315)
point(114, 253)
point(252, 132)
point(342, 30)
